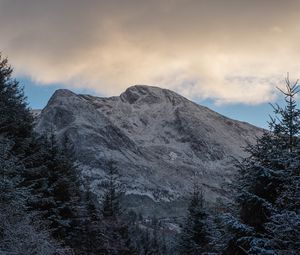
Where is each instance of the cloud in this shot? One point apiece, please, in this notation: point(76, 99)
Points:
point(233, 51)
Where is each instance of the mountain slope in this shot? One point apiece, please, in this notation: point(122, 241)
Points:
point(160, 141)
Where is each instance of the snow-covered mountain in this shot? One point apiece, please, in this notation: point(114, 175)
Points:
point(161, 143)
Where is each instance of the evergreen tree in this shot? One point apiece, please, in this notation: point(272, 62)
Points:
point(113, 192)
point(21, 232)
point(15, 118)
point(114, 225)
point(10, 179)
point(54, 186)
point(148, 239)
point(62, 192)
point(194, 237)
point(39, 191)
point(268, 186)
point(87, 234)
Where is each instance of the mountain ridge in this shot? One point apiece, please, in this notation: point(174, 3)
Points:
point(159, 140)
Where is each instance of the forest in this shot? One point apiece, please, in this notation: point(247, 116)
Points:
point(46, 209)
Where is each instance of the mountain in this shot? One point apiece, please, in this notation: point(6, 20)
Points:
point(161, 142)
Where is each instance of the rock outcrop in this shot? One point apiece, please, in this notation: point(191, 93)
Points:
point(160, 141)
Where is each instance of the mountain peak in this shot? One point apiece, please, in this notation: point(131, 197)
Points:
point(159, 140)
point(63, 93)
point(141, 94)
point(60, 94)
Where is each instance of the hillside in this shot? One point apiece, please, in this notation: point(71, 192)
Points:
point(160, 141)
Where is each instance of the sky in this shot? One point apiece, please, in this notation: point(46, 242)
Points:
point(226, 54)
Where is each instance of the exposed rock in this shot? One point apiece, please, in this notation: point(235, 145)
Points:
point(160, 140)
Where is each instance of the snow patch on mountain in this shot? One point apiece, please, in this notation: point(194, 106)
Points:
point(159, 140)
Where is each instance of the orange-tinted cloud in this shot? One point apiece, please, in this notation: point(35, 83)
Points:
point(233, 51)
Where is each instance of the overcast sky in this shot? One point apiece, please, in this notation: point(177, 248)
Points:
point(226, 52)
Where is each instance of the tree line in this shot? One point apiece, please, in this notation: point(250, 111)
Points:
point(264, 218)
point(46, 209)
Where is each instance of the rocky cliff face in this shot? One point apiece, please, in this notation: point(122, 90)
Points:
point(160, 141)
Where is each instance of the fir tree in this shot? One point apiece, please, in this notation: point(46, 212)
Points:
point(87, 234)
point(269, 184)
point(114, 225)
point(10, 179)
point(113, 191)
point(15, 118)
point(54, 186)
point(21, 232)
point(194, 236)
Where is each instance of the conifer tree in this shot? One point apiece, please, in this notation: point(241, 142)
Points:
point(87, 234)
point(111, 201)
point(269, 183)
point(21, 232)
point(15, 118)
point(10, 178)
point(115, 227)
point(54, 186)
point(194, 237)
